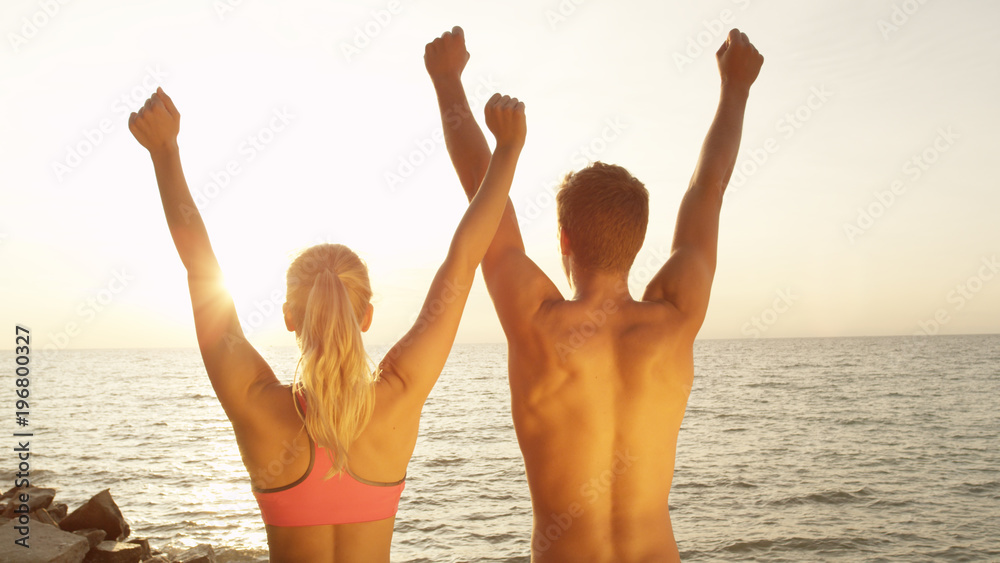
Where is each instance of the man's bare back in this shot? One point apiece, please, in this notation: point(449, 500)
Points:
point(597, 419)
point(599, 383)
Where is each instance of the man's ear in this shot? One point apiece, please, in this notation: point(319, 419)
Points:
point(367, 321)
point(286, 311)
point(563, 242)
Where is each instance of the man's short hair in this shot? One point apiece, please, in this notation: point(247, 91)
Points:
point(603, 210)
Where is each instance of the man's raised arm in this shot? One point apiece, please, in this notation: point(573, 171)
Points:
point(516, 284)
point(445, 59)
point(685, 281)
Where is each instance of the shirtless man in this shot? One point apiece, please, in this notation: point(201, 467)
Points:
point(599, 382)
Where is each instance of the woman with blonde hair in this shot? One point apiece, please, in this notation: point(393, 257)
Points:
point(327, 455)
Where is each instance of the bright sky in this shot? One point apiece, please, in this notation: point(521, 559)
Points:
point(864, 204)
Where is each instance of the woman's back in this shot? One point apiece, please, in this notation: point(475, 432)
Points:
point(288, 473)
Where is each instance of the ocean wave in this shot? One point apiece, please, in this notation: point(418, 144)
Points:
point(735, 483)
point(885, 503)
point(979, 488)
point(226, 554)
point(822, 545)
point(963, 553)
point(446, 461)
point(800, 365)
point(828, 497)
point(486, 516)
point(864, 420)
point(768, 384)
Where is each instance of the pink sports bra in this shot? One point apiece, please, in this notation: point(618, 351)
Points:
point(341, 499)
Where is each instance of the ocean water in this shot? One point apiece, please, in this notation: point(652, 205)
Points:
point(805, 450)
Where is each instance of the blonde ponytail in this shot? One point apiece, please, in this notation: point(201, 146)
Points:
point(329, 294)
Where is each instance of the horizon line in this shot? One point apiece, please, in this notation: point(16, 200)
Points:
point(11, 349)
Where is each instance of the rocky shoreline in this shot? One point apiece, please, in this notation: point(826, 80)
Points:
point(34, 529)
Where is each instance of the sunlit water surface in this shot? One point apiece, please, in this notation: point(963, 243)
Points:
point(859, 449)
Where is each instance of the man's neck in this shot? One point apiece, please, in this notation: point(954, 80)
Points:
point(598, 287)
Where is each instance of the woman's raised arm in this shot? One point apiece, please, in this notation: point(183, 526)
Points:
point(238, 373)
point(417, 359)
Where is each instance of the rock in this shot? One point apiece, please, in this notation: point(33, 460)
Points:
point(37, 498)
point(114, 552)
point(157, 559)
point(201, 553)
point(44, 517)
point(46, 544)
point(58, 510)
point(144, 543)
point(93, 535)
point(98, 512)
point(9, 493)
